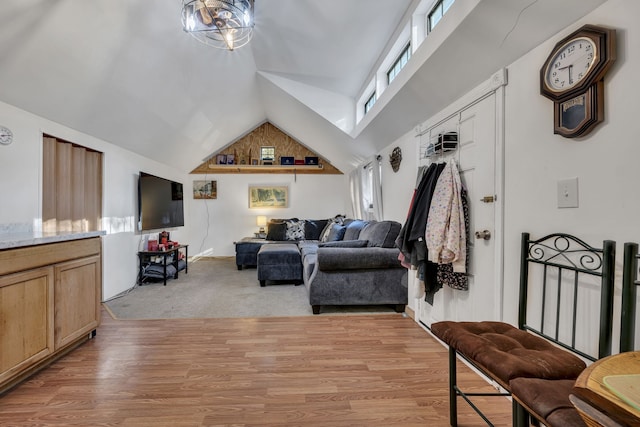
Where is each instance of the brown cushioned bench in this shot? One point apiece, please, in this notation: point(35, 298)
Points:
point(565, 268)
point(549, 400)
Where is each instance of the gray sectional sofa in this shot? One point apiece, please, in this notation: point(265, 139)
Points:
point(341, 261)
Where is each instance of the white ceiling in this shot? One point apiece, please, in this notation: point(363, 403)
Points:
point(125, 72)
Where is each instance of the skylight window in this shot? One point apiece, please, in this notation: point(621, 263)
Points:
point(399, 64)
point(370, 102)
point(437, 13)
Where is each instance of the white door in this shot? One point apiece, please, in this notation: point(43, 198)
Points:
point(478, 125)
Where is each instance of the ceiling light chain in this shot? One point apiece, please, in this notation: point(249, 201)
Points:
point(224, 24)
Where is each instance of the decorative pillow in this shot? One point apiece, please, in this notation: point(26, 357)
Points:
point(336, 233)
point(313, 228)
point(338, 219)
point(295, 230)
point(276, 230)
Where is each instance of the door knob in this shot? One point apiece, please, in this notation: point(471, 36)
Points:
point(484, 234)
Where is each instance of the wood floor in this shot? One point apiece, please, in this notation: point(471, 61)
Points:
point(329, 371)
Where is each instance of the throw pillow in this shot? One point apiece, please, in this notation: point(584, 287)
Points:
point(295, 230)
point(313, 228)
point(276, 231)
point(338, 219)
point(336, 233)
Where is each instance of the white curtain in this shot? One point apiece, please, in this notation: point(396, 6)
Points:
point(376, 190)
point(355, 185)
point(366, 191)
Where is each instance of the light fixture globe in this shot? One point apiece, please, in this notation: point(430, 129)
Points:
point(224, 24)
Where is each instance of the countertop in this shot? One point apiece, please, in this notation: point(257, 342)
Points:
point(12, 240)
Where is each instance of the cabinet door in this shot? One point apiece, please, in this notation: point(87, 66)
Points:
point(77, 299)
point(26, 320)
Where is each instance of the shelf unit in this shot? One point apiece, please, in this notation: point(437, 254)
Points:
point(294, 169)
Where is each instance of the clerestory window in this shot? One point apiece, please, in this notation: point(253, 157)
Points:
point(399, 63)
point(437, 13)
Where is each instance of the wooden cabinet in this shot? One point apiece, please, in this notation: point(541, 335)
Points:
point(49, 301)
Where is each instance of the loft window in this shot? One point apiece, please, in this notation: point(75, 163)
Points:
point(399, 64)
point(437, 13)
point(369, 104)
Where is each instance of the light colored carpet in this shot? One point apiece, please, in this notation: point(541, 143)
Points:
point(215, 288)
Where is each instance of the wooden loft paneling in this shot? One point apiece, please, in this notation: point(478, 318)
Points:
point(246, 153)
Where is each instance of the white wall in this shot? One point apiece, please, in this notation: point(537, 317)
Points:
point(605, 161)
point(217, 223)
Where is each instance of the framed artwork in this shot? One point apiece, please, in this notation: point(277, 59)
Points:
point(205, 189)
point(222, 159)
point(268, 196)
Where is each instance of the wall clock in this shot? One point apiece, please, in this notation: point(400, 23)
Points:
point(6, 136)
point(572, 77)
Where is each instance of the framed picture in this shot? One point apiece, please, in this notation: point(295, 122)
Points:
point(205, 189)
point(231, 159)
point(268, 196)
point(222, 159)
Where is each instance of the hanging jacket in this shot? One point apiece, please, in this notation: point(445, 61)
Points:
point(445, 232)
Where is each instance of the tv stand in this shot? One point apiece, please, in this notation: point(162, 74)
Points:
point(162, 264)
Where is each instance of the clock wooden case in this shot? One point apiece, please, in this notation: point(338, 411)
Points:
point(572, 76)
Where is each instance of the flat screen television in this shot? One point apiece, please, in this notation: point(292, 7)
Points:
point(159, 203)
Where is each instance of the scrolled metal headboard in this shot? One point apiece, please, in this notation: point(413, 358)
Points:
point(564, 257)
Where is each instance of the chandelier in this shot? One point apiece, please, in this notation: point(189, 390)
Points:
point(225, 24)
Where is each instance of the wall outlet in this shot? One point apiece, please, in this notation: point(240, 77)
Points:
point(568, 193)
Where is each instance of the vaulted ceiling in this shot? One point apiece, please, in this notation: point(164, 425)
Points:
point(125, 72)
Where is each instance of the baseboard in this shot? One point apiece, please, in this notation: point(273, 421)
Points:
point(409, 312)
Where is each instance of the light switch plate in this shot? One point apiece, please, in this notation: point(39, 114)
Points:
point(568, 193)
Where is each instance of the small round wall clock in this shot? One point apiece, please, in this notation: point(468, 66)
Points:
point(6, 136)
point(572, 76)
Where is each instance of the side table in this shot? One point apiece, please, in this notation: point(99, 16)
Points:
point(146, 259)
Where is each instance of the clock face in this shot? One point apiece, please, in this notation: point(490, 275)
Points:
point(6, 136)
point(571, 64)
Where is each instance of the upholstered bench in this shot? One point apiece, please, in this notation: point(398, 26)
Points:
point(279, 262)
point(535, 358)
point(508, 352)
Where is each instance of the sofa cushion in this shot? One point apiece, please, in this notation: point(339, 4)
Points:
point(354, 227)
point(331, 259)
point(276, 230)
point(336, 233)
point(543, 396)
point(381, 233)
point(345, 244)
point(295, 230)
point(313, 228)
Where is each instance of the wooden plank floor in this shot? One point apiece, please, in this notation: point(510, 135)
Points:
point(329, 371)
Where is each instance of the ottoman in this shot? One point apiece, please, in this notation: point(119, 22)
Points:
point(279, 262)
point(247, 251)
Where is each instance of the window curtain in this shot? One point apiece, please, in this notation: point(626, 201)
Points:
point(355, 186)
point(376, 189)
point(366, 191)
point(72, 187)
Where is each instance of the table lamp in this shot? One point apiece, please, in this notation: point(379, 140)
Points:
point(261, 222)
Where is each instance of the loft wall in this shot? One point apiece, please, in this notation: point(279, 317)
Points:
point(605, 161)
